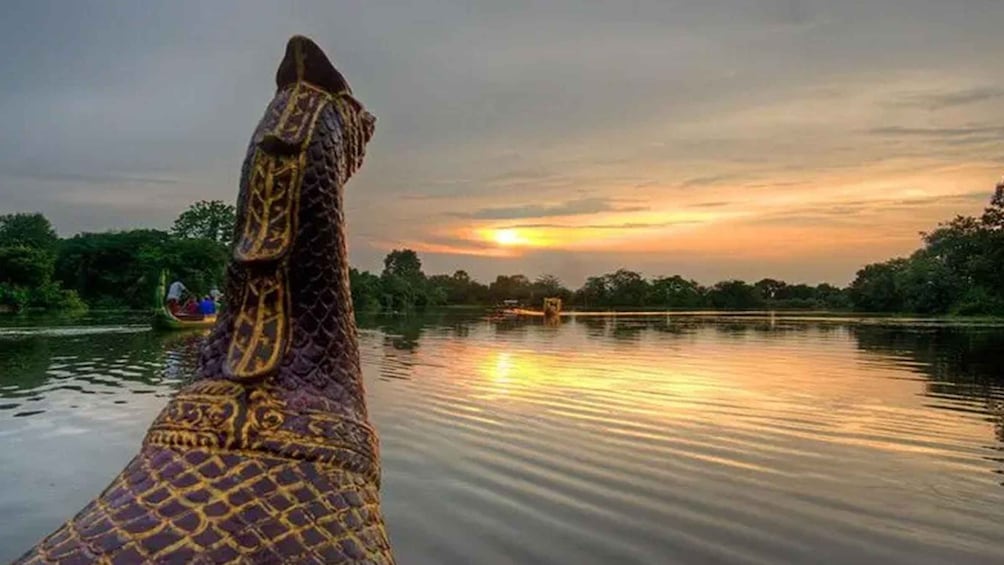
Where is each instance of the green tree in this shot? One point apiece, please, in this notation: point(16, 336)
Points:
point(25, 266)
point(993, 215)
point(832, 298)
point(397, 295)
point(594, 292)
point(403, 263)
point(675, 292)
point(926, 285)
point(365, 290)
point(959, 269)
point(207, 219)
point(771, 289)
point(462, 289)
point(874, 288)
point(27, 262)
point(961, 244)
point(457, 288)
point(626, 288)
point(121, 269)
point(549, 286)
point(116, 269)
point(199, 263)
point(404, 286)
point(434, 295)
point(972, 248)
point(977, 300)
point(993, 241)
point(511, 287)
point(32, 231)
point(735, 295)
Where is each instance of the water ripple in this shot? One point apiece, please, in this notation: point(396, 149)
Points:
point(639, 439)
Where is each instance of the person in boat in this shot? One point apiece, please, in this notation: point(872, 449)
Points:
point(191, 308)
point(174, 294)
point(207, 306)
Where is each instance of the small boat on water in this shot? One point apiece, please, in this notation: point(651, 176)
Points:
point(163, 319)
point(511, 309)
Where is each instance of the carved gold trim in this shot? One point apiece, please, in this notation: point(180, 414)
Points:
point(226, 416)
point(272, 202)
point(261, 326)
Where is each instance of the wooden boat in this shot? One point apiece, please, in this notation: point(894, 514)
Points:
point(551, 309)
point(163, 319)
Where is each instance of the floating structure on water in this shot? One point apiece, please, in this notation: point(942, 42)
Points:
point(551, 309)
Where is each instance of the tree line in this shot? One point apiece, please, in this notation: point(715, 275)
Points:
point(402, 286)
point(959, 270)
point(115, 269)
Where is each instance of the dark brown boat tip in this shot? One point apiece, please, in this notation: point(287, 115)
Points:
point(305, 61)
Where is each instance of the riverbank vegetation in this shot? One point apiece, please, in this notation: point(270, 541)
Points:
point(397, 289)
point(958, 270)
point(109, 270)
point(28, 251)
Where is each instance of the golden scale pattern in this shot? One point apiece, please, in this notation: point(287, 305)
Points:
point(282, 469)
point(272, 203)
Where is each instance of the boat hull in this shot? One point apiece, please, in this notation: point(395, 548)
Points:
point(164, 320)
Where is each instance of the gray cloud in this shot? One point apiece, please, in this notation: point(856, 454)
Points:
point(854, 211)
point(946, 133)
point(950, 99)
point(704, 181)
point(978, 196)
point(88, 178)
point(580, 207)
point(619, 226)
point(514, 103)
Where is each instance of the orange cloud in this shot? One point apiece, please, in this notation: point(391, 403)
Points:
point(838, 214)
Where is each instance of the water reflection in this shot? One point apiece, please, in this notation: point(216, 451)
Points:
point(749, 431)
point(38, 362)
point(599, 439)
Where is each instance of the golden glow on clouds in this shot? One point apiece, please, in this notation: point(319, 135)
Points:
point(508, 237)
point(820, 180)
point(838, 212)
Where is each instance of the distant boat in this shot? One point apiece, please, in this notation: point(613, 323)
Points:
point(511, 309)
point(163, 319)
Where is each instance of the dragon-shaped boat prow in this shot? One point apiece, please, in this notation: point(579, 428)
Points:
point(268, 455)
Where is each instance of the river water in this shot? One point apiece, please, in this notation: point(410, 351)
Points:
point(623, 439)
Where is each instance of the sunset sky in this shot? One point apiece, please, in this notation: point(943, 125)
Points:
point(712, 139)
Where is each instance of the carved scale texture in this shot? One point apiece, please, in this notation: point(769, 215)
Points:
point(284, 470)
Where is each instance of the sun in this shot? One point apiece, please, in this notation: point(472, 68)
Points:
point(507, 237)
